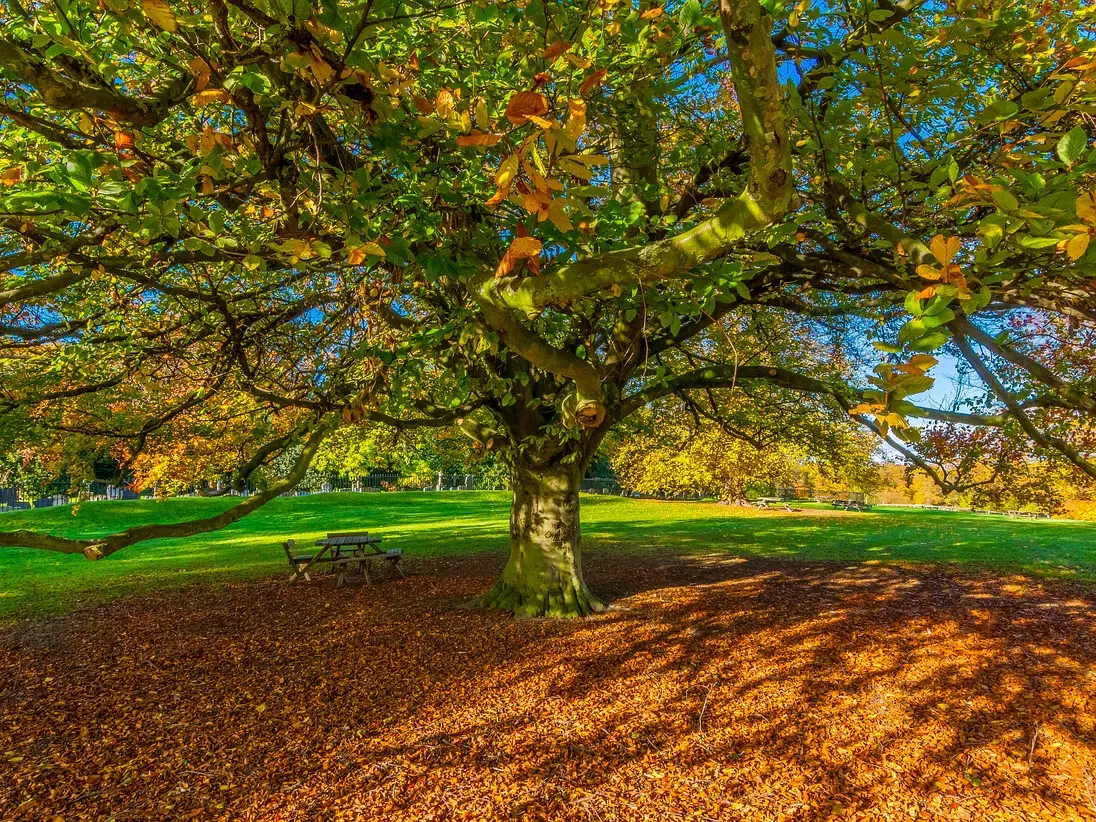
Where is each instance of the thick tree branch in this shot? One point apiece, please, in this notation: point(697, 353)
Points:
point(60, 92)
point(768, 195)
point(100, 547)
point(1014, 407)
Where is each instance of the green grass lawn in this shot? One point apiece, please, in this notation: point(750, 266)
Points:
point(35, 583)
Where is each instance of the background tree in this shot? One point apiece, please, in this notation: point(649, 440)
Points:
point(531, 220)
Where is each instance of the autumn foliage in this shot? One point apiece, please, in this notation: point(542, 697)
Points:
point(722, 689)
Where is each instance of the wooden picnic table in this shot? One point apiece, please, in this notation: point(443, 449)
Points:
point(358, 550)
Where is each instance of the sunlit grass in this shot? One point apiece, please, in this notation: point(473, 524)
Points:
point(433, 525)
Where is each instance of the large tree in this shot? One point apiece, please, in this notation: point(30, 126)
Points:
point(262, 219)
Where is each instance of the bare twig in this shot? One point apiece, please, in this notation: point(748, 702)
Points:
point(703, 708)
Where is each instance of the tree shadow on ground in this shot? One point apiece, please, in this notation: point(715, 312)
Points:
point(717, 688)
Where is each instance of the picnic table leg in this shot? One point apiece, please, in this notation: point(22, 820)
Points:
point(304, 571)
point(396, 564)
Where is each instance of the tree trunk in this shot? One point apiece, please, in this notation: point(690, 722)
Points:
point(543, 577)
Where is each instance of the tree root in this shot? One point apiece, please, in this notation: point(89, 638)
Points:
point(560, 601)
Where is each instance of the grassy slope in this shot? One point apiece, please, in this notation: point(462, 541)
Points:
point(35, 582)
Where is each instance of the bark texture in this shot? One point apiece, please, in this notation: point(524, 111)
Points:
point(543, 577)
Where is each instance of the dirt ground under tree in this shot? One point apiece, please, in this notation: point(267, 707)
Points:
point(715, 690)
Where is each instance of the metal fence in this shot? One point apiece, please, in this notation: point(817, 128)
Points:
point(16, 498)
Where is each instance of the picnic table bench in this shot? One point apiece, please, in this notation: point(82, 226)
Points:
point(768, 502)
point(343, 552)
point(851, 505)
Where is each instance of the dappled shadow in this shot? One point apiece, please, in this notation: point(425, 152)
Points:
point(717, 688)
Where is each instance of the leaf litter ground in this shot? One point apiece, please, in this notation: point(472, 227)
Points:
point(716, 690)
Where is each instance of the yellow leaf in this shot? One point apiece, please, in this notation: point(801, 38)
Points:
point(923, 361)
point(540, 121)
point(200, 68)
point(865, 408)
point(507, 170)
point(558, 215)
point(1076, 247)
point(444, 103)
point(524, 247)
point(373, 249)
point(211, 95)
point(321, 70)
point(945, 249)
point(483, 119)
point(590, 159)
point(1086, 207)
point(160, 15)
point(576, 123)
point(478, 138)
point(929, 273)
point(579, 170)
point(651, 13)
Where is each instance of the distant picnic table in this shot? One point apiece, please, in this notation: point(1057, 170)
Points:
point(345, 552)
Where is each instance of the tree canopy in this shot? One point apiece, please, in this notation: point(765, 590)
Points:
point(256, 221)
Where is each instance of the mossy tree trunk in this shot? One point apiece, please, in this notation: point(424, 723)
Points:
point(543, 577)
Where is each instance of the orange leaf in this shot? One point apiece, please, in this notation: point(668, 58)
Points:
point(498, 196)
point(593, 81)
point(927, 293)
point(211, 95)
point(478, 138)
point(444, 103)
point(522, 248)
point(555, 50)
point(200, 68)
point(123, 139)
point(423, 105)
point(1086, 207)
point(651, 13)
point(11, 176)
point(321, 69)
point(523, 104)
point(945, 249)
point(160, 14)
point(540, 121)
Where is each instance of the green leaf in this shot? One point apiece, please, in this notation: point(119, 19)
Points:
point(1072, 145)
point(1005, 200)
point(913, 384)
point(930, 342)
point(911, 331)
point(1027, 241)
point(302, 10)
point(690, 14)
point(938, 319)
